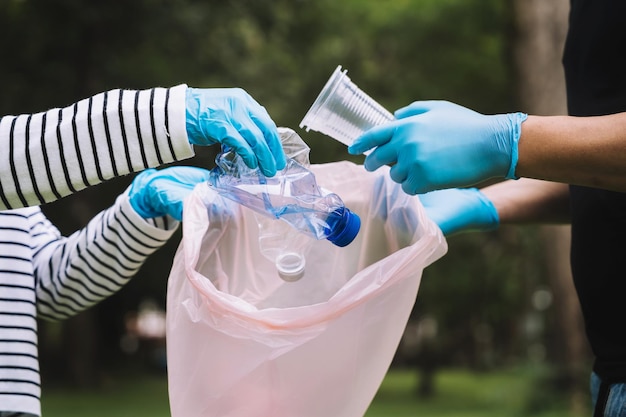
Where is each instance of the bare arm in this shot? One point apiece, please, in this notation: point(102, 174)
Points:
point(530, 201)
point(589, 151)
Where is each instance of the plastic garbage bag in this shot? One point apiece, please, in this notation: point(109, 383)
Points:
point(241, 342)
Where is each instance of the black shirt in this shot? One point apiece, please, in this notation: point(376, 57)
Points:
point(595, 71)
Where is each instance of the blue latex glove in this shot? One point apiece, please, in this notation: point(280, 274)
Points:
point(438, 144)
point(232, 117)
point(157, 193)
point(457, 210)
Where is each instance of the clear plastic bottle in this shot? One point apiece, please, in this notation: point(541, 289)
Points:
point(289, 205)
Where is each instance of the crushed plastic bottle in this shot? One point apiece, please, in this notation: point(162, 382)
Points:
point(292, 209)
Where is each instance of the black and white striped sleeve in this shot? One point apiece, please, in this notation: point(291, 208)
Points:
point(77, 272)
point(51, 154)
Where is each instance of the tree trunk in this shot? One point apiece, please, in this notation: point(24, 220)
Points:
point(541, 29)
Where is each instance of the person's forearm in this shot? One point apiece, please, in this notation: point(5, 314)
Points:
point(49, 155)
point(528, 201)
point(589, 151)
point(93, 263)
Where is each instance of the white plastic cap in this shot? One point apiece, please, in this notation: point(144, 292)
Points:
point(290, 266)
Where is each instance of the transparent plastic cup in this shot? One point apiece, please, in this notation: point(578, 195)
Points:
point(343, 111)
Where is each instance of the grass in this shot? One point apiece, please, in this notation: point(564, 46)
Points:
point(464, 394)
point(459, 394)
point(144, 396)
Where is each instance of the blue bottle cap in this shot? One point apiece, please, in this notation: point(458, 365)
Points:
point(346, 228)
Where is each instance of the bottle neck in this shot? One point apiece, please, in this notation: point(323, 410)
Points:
point(343, 226)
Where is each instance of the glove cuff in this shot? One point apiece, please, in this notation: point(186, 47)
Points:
point(193, 103)
point(489, 218)
point(136, 194)
point(516, 119)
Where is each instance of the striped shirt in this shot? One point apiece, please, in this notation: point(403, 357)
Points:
point(50, 155)
point(46, 156)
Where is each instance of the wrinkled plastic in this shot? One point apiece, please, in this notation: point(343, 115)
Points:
point(291, 208)
point(293, 195)
point(243, 343)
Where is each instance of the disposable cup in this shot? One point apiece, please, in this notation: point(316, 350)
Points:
point(343, 111)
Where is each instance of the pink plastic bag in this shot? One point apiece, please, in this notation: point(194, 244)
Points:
point(241, 342)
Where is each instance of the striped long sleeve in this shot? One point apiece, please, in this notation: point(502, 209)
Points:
point(76, 272)
point(49, 155)
point(43, 274)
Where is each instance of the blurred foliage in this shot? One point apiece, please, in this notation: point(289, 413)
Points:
point(282, 52)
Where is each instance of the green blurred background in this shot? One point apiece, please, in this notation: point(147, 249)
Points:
point(496, 328)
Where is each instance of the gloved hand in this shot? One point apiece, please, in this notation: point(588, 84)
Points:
point(232, 117)
point(457, 210)
point(155, 193)
point(438, 144)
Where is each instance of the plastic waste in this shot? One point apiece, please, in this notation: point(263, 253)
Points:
point(243, 343)
point(291, 208)
point(343, 111)
point(285, 246)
